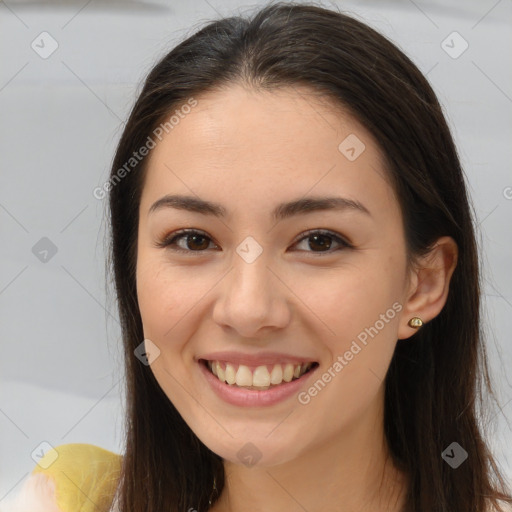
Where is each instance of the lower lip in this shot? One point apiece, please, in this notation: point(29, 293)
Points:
point(250, 397)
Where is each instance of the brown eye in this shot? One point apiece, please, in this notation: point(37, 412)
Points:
point(186, 241)
point(193, 241)
point(322, 241)
point(196, 242)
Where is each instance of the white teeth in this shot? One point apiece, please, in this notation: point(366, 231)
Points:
point(221, 374)
point(276, 376)
point(288, 372)
point(243, 376)
point(261, 377)
point(229, 374)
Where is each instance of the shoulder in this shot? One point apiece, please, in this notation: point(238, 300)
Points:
point(68, 478)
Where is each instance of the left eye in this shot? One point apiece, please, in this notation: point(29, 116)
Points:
point(197, 241)
point(323, 239)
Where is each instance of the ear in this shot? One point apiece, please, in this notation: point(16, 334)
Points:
point(429, 283)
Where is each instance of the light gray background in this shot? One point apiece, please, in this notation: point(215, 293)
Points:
point(60, 364)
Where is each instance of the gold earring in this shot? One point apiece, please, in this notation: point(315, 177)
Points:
point(415, 322)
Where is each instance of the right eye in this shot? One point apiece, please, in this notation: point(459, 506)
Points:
point(194, 241)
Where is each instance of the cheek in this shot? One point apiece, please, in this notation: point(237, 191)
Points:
point(361, 314)
point(354, 300)
point(162, 298)
point(170, 297)
point(154, 296)
point(163, 307)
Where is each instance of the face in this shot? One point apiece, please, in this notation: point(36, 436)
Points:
point(296, 308)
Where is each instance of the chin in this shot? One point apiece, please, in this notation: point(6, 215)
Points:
point(254, 450)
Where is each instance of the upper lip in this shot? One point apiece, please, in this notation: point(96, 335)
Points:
point(262, 358)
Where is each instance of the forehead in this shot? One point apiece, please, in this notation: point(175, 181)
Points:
point(246, 147)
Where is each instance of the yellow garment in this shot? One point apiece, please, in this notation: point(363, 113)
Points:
point(85, 476)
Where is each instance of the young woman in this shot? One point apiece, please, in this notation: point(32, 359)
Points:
point(295, 264)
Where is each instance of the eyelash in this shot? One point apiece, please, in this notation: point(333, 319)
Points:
point(169, 241)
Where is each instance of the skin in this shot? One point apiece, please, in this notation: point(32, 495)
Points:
point(250, 150)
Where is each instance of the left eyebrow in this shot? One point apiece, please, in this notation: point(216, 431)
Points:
point(282, 211)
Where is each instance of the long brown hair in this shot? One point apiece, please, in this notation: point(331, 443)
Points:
point(437, 381)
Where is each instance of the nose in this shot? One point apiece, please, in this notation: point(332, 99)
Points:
point(252, 299)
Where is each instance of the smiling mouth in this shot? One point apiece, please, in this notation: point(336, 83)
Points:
point(260, 377)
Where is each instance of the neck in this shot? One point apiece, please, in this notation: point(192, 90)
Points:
point(352, 472)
